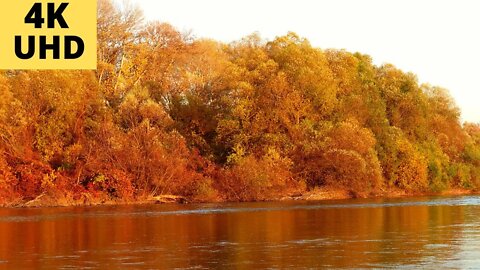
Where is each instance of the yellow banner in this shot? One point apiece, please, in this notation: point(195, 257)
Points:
point(53, 34)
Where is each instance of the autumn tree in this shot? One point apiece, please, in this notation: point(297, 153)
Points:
point(166, 113)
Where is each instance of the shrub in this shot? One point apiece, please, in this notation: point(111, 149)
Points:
point(253, 178)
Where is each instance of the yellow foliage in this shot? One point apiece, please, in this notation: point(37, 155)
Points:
point(251, 120)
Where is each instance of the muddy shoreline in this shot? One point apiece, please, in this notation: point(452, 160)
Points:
point(318, 194)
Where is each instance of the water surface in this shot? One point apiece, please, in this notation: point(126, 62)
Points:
point(432, 233)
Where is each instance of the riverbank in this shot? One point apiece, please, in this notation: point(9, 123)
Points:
point(330, 193)
point(317, 194)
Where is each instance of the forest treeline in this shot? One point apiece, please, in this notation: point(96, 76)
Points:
point(165, 113)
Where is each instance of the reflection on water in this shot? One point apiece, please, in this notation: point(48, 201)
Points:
point(401, 233)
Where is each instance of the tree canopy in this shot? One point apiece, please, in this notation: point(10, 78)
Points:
point(166, 113)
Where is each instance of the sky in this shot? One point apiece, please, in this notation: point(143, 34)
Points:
point(439, 40)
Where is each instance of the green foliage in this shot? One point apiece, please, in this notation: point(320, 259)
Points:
point(438, 166)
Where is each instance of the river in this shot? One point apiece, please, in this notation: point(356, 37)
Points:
point(407, 233)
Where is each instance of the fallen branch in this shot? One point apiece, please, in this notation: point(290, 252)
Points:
point(169, 199)
point(34, 201)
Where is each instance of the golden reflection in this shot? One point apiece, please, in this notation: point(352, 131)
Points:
point(328, 237)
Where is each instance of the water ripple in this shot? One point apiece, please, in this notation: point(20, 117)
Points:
point(202, 210)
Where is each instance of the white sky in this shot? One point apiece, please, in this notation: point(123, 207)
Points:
point(436, 39)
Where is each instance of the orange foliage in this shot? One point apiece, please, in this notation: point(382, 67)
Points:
point(253, 179)
point(165, 113)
